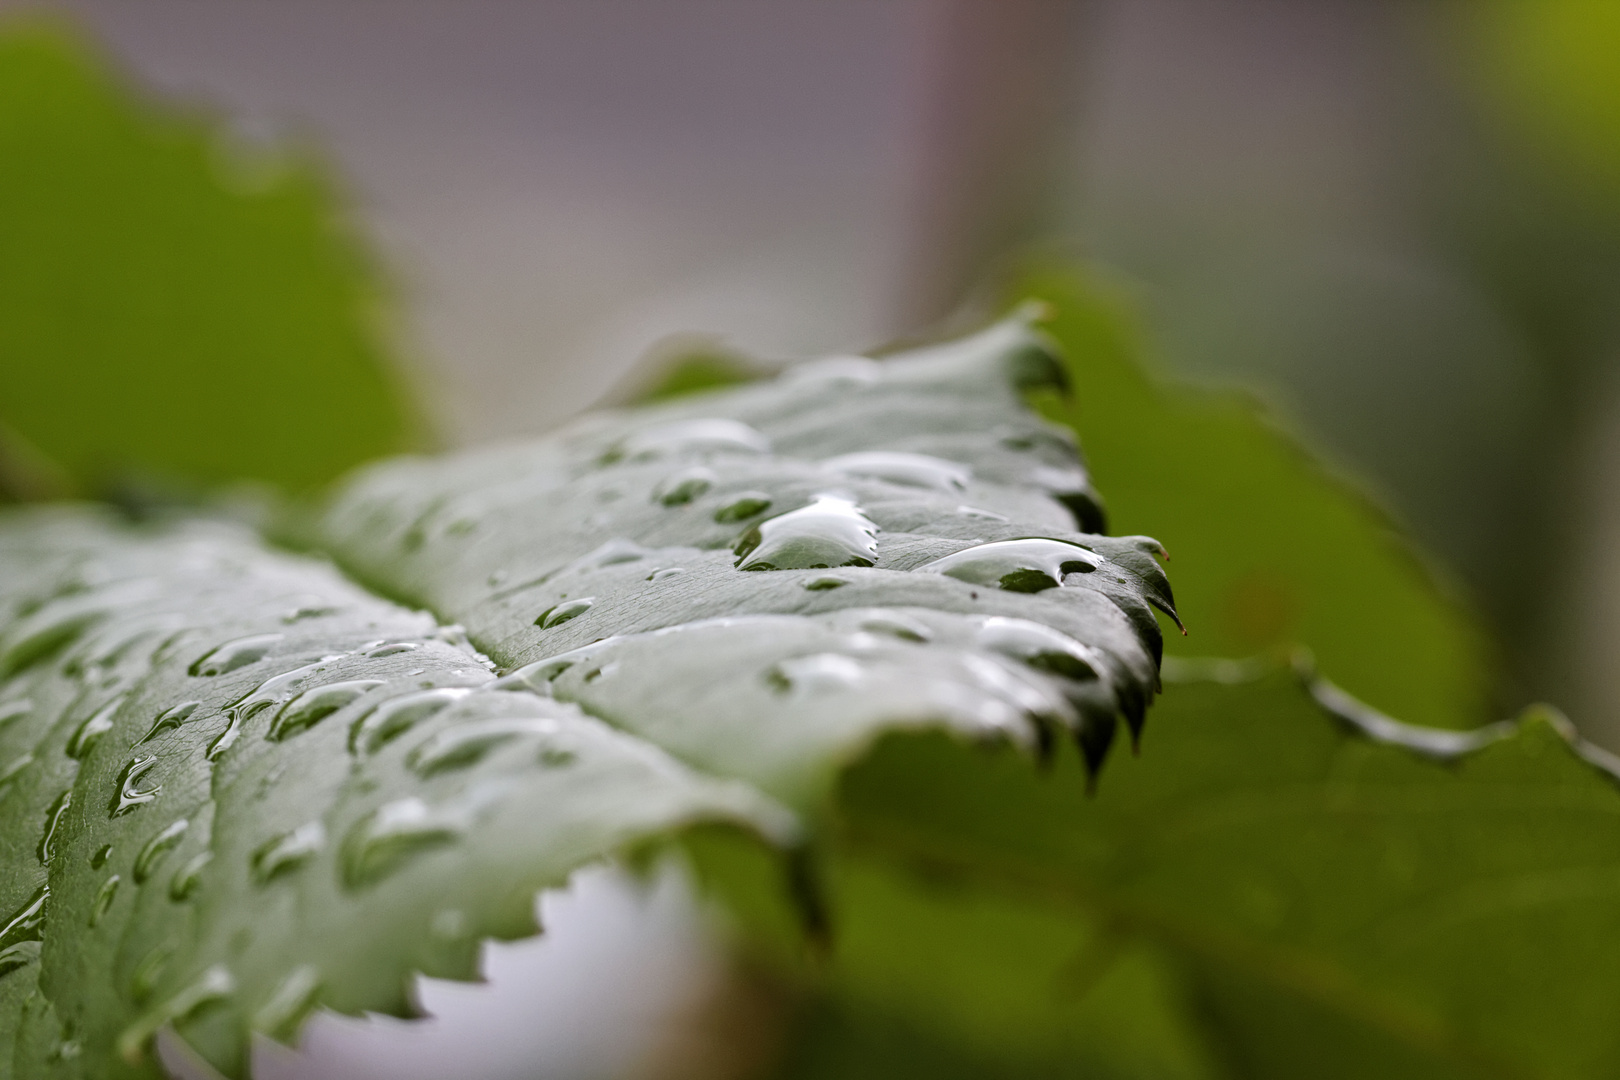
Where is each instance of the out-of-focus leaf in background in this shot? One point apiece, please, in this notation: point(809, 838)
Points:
point(173, 308)
point(1269, 549)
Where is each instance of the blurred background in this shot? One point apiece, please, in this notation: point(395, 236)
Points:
point(1396, 222)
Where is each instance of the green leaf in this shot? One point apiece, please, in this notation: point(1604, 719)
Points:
point(1331, 893)
point(913, 529)
point(237, 787)
point(173, 308)
point(1269, 548)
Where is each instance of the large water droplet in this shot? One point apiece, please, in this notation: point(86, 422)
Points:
point(561, 613)
point(294, 998)
point(818, 672)
point(130, 793)
point(189, 876)
point(23, 931)
point(830, 532)
point(392, 649)
point(53, 819)
point(170, 719)
point(538, 676)
point(742, 507)
point(392, 718)
point(666, 573)
point(312, 706)
point(911, 470)
point(383, 840)
point(90, 732)
point(104, 899)
point(692, 436)
point(683, 486)
point(1028, 565)
point(466, 744)
point(287, 852)
point(1038, 646)
point(155, 850)
point(213, 985)
point(236, 654)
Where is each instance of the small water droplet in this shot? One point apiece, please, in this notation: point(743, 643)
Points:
point(67, 1050)
point(102, 854)
point(14, 710)
point(666, 574)
point(823, 582)
point(538, 676)
point(104, 899)
point(1028, 565)
point(155, 850)
point(748, 504)
point(814, 673)
point(292, 1000)
point(149, 971)
point(391, 719)
point(213, 985)
point(496, 579)
point(312, 706)
point(553, 757)
point(896, 626)
point(393, 649)
point(466, 744)
point(834, 370)
point(53, 818)
point(287, 852)
point(1038, 646)
point(691, 436)
point(90, 732)
point(910, 470)
point(189, 876)
point(679, 488)
point(23, 931)
point(561, 613)
point(386, 838)
point(235, 654)
point(830, 532)
point(130, 794)
point(169, 720)
point(981, 515)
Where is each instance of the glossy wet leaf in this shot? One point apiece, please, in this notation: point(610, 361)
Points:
point(237, 787)
point(175, 308)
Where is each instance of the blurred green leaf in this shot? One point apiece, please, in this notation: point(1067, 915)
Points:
point(1269, 549)
point(175, 308)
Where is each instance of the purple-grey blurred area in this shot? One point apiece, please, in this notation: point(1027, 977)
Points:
point(1327, 202)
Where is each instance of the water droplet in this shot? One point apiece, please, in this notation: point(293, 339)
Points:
point(102, 854)
point(213, 985)
point(292, 1000)
point(830, 532)
point(554, 758)
point(170, 719)
point(665, 574)
point(23, 932)
point(496, 578)
point(466, 744)
point(538, 676)
point(383, 840)
point(393, 649)
point(981, 515)
point(823, 582)
point(14, 710)
point(104, 899)
point(691, 436)
point(815, 673)
point(835, 370)
point(561, 613)
point(189, 876)
point(44, 633)
point(149, 971)
point(67, 1050)
point(748, 504)
point(53, 818)
point(90, 732)
point(227, 738)
point(235, 654)
point(682, 487)
point(287, 852)
point(391, 719)
point(1028, 565)
point(157, 849)
point(911, 470)
point(312, 706)
point(130, 794)
point(14, 767)
point(1038, 646)
point(299, 614)
point(894, 625)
